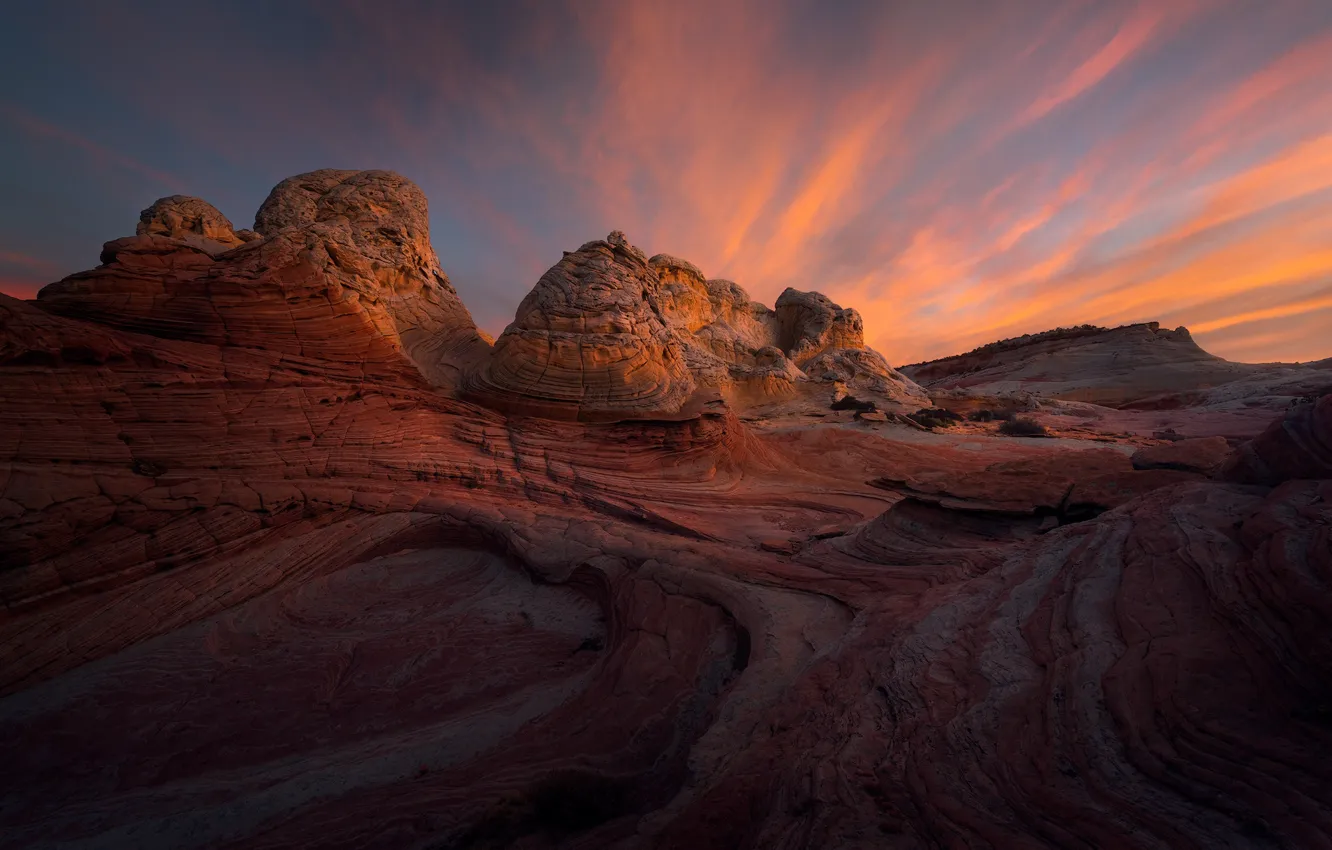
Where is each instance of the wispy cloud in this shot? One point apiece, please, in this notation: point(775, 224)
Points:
point(36, 127)
point(959, 174)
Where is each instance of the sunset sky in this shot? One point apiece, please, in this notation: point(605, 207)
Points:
point(957, 171)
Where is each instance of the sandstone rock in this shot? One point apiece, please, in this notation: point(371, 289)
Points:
point(1112, 367)
point(809, 323)
point(469, 630)
point(444, 609)
point(589, 343)
point(295, 201)
point(760, 355)
point(1203, 454)
point(346, 272)
point(187, 218)
point(1299, 445)
point(865, 372)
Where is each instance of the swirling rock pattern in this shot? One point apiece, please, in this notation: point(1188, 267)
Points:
point(264, 598)
point(1299, 445)
point(343, 271)
point(589, 343)
point(1141, 366)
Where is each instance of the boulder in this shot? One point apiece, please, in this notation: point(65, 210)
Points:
point(1297, 446)
point(188, 218)
point(589, 343)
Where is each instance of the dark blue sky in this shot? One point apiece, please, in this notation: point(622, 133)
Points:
point(959, 171)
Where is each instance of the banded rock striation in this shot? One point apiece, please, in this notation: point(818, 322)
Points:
point(589, 342)
point(1140, 365)
point(322, 601)
point(609, 333)
point(341, 268)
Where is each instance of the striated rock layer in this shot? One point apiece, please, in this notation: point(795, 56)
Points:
point(610, 334)
point(263, 597)
point(589, 342)
point(340, 269)
point(1139, 365)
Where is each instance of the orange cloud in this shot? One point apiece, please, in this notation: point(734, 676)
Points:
point(1131, 36)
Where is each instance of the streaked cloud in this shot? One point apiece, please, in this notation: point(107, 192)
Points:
point(958, 171)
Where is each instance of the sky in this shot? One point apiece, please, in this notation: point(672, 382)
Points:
point(959, 171)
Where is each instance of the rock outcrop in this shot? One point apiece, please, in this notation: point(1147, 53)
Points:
point(262, 598)
point(187, 218)
point(1107, 366)
point(809, 323)
point(589, 343)
point(1201, 454)
point(341, 268)
point(611, 334)
point(1298, 445)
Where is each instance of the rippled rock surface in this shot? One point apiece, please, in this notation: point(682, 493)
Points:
point(265, 594)
point(339, 267)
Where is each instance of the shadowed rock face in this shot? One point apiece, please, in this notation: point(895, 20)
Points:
point(263, 598)
point(809, 323)
point(344, 271)
point(1298, 445)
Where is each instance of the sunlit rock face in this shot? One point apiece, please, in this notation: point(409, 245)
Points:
point(589, 342)
point(1107, 366)
point(184, 217)
point(609, 333)
point(266, 599)
point(340, 267)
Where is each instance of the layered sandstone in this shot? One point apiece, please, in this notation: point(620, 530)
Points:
point(341, 268)
point(589, 342)
point(609, 333)
point(322, 603)
point(1299, 445)
point(1107, 366)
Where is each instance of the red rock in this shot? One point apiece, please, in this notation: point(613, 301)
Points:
point(347, 276)
point(1203, 454)
point(262, 597)
point(1299, 445)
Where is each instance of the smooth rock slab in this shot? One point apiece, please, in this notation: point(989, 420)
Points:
point(389, 668)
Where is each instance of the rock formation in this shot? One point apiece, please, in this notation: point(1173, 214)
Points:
point(1298, 445)
point(610, 334)
point(341, 269)
point(1201, 454)
point(1139, 365)
point(263, 597)
point(186, 218)
point(589, 342)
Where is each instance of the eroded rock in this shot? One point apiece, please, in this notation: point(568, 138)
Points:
point(589, 343)
point(346, 272)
